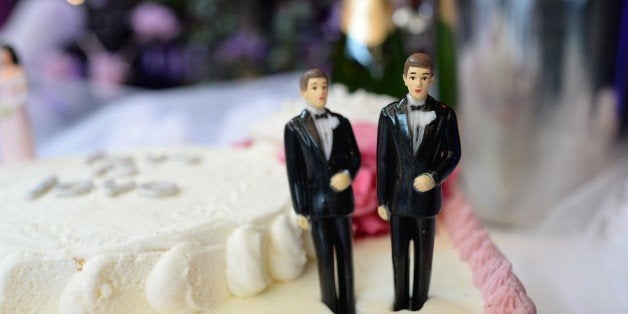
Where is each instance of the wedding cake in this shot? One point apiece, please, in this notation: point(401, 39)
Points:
point(169, 230)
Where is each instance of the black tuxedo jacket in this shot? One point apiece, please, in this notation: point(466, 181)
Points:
point(309, 173)
point(398, 166)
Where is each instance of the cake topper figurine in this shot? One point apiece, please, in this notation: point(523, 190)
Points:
point(417, 148)
point(16, 140)
point(322, 158)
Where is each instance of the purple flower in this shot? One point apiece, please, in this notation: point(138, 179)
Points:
point(243, 45)
point(152, 21)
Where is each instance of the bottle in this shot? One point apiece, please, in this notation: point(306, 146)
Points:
point(446, 54)
point(370, 53)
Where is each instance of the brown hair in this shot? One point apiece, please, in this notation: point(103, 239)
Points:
point(11, 52)
point(419, 60)
point(312, 73)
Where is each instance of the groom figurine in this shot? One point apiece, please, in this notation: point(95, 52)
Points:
point(417, 148)
point(322, 158)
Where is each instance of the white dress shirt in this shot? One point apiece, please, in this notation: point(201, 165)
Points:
point(417, 121)
point(325, 128)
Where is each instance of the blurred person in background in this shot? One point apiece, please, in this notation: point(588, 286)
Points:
point(16, 140)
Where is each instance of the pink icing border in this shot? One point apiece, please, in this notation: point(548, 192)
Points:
point(492, 272)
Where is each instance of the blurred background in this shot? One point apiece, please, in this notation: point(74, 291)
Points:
point(540, 87)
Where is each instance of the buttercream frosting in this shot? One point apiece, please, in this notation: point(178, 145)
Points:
point(93, 251)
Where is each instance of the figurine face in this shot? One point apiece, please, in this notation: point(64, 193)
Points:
point(418, 81)
point(316, 92)
point(5, 58)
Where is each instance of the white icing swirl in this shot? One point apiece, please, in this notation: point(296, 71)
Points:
point(286, 257)
point(189, 275)
point(246, 272)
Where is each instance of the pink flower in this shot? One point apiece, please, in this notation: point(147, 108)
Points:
point(450, 183)
point(366, 221)
point(243, 143)
point(153, 21)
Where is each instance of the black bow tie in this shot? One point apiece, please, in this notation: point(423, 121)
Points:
point(320, 116)
point(416, 107)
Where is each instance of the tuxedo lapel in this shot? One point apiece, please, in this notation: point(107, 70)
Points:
point(310, 130)
point(335, 134)
point(404, 126)
point(428, 133)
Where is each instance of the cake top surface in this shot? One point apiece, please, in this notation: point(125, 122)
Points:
point(358, 107)
point(58, 222)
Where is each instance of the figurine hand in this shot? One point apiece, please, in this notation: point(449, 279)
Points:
point(383, 212)
point(340, 181)
point(424, 183)
point(303, 222)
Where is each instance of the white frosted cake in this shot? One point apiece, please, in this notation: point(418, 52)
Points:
point(211, 229)
point(188, 228)
point(225, 233)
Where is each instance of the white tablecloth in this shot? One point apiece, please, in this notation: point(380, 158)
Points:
point(213, 114)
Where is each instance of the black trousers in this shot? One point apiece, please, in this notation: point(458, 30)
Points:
point(333, 235)
point(420, 231)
